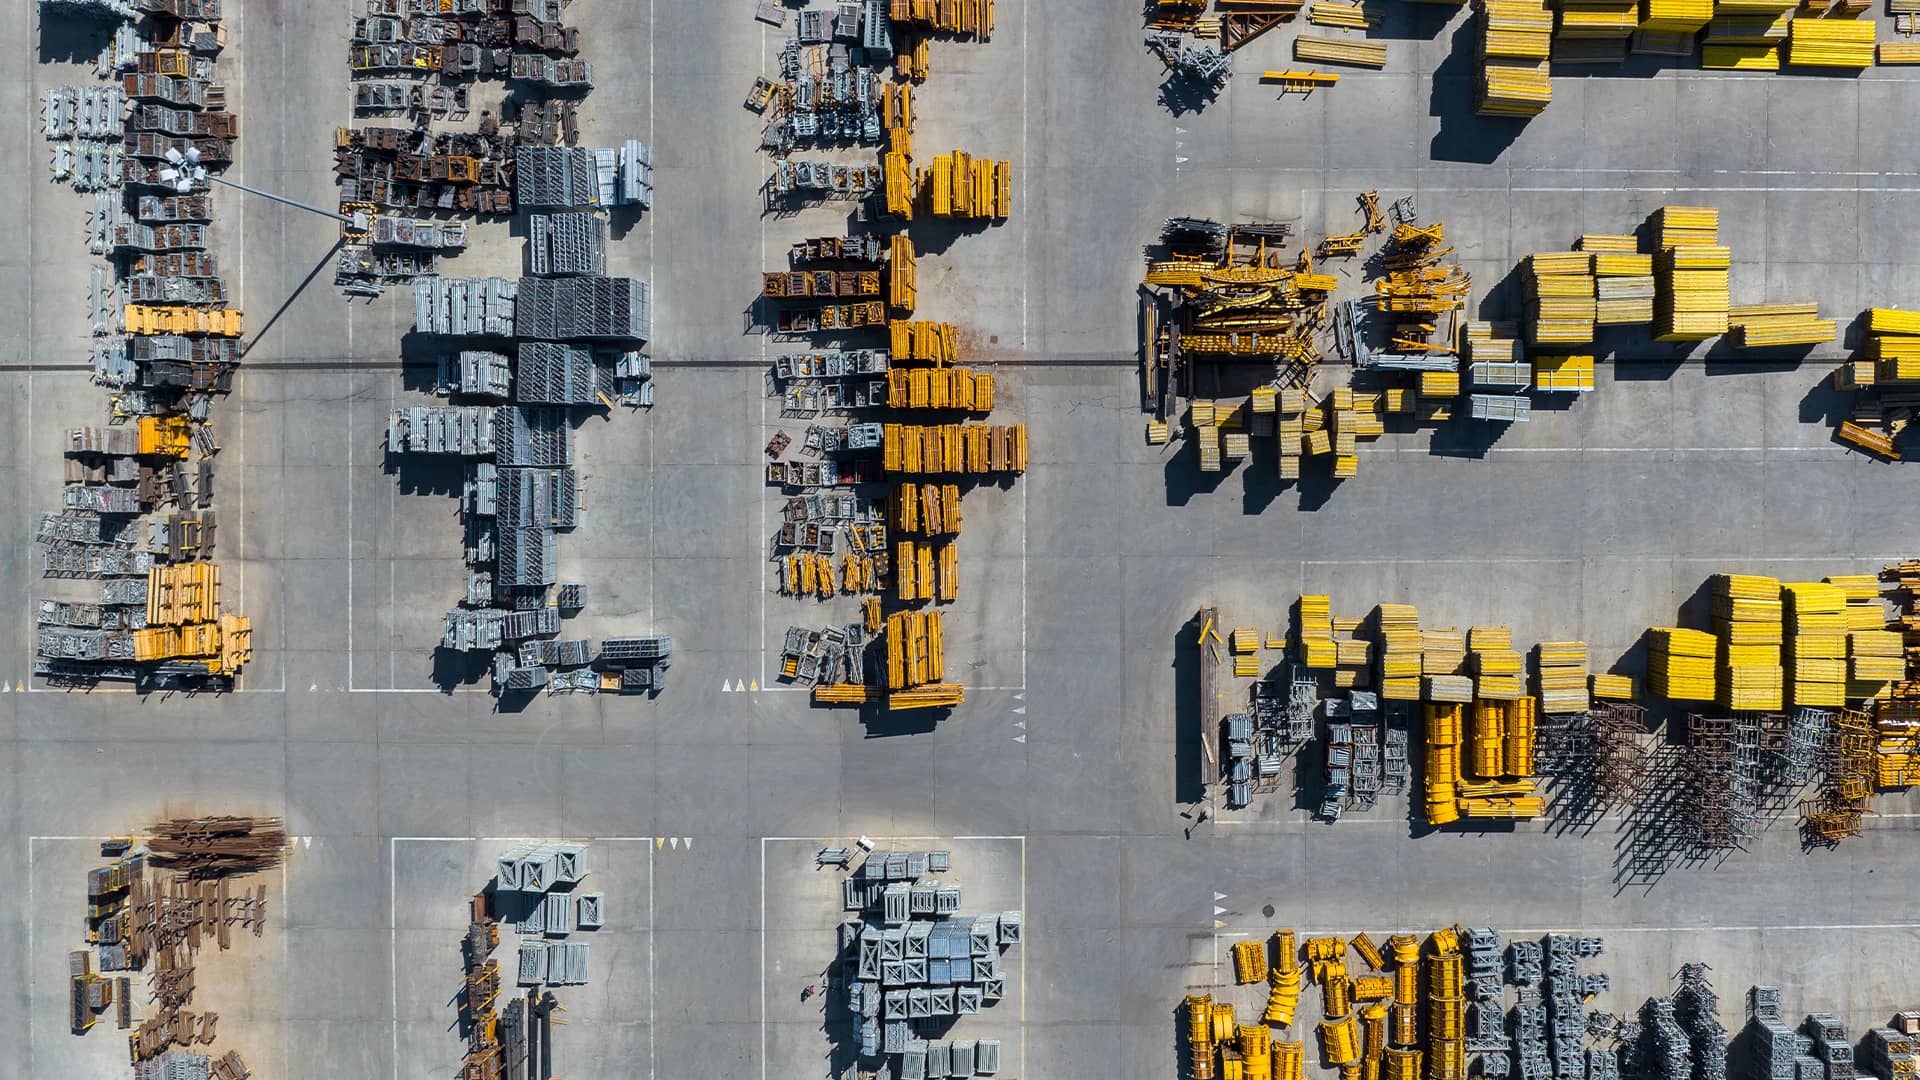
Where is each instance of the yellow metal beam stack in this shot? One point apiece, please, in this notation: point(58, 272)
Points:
point(939, 449)
point(1757, 326)
point(1332, 13)
point(1836, 43)
point(962, 186)
point(1244, 645)
point(1516, 39)
point(961, 18)
point(1398, 626)
point(1596, 20)
point(1690, 273)
point(1747, 616)
point(1443, 731)
point(1334, 50)
point(1442, 651)
point(1560, 297)
point(1685, 226)
point(1315, 640)
point(903, 279)
point(1499, 672)
point(1623, 287)
point(923, 342)
point(1608, 687)
point(1680, 663)
point(1875, 658)
point(182, 593)
point(1816, 638)
point(940, 388)
point(1562, 676)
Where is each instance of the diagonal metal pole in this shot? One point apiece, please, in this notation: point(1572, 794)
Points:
point(357, 221)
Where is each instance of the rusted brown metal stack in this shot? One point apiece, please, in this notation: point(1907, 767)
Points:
point(213, 847)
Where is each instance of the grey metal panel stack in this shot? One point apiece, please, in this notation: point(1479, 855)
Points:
point(532, 436)
point(478, 373)
point(464, 306)
point(174, 1065)
point(552, 373)
point(468, 430)
point(636, 175)
point(527, 558)
point(1502, 407)
point(473, 631)
point(556, 176)
point(561, 309)
point(567, 244)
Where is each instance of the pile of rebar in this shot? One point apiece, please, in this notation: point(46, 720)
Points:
point(210, 847)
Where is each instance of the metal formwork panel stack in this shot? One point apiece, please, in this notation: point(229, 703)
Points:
point(551, 373)
point(539, 437)
point(562, 309)
point(525, 558)
point(636, 175)
point(567, 244)
point(468, 430)
point(480, 373)
point(557, 176)
point(537, 498)
point(473, 630)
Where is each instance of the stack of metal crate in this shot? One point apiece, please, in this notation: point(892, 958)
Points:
point(916, 963)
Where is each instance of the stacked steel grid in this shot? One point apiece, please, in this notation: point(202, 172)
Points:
point(138, 500)
point(912, 965)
